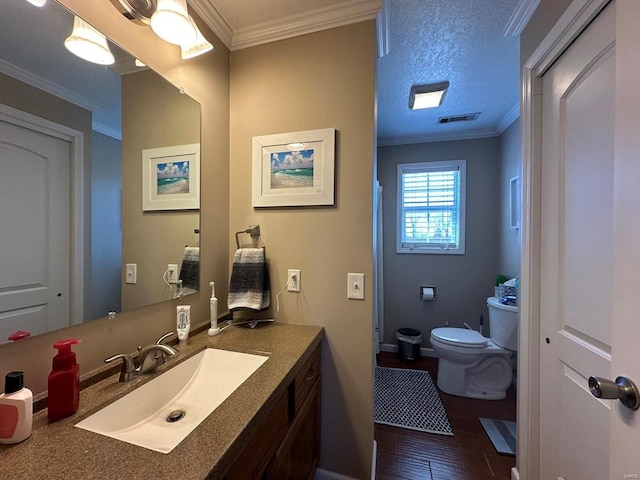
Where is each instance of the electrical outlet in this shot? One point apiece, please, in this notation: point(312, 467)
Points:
point(173, 273)
point(131, 273)
point(355, 286)
point(293, 285)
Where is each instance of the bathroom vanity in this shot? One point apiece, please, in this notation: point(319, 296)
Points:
point(268, 428)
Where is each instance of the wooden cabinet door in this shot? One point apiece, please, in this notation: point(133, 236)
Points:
point(297, 456)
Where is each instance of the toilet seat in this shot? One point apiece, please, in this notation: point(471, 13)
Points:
point(459, 337)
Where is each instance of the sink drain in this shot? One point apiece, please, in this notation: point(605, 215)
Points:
point(176, 415)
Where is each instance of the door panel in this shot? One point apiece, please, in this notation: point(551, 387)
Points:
point(34, 214)
point(577, 252)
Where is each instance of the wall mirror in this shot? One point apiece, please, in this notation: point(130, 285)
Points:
point(77, 142)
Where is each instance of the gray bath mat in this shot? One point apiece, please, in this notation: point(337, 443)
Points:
point(409, 399)
point(502, 434)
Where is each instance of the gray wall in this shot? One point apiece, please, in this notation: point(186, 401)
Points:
point(463, 281)
point(106, 225)
point(510, 166)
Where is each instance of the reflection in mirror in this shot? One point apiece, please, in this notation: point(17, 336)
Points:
point(72, 138)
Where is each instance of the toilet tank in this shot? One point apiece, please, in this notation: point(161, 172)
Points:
point(503, 324)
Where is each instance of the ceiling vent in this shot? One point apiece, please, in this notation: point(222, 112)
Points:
point(467, 117)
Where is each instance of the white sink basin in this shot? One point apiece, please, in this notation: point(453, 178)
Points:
point(197, 386)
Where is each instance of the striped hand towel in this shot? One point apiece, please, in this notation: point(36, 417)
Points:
point(249, 285)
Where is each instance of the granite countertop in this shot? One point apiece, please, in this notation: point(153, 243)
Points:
point(60, 450)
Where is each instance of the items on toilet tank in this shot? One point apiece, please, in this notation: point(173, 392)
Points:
point(509, 292)
point(64, 382)
point(16, 409)
point(183, 321)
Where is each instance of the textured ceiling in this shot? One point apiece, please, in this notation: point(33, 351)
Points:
point(430, 41)
point(456, 40)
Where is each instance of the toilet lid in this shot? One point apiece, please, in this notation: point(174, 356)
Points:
point(460, 337)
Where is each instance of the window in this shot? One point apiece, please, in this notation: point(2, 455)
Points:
point(431, 206)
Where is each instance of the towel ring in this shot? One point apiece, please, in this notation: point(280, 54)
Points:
point(253, 230)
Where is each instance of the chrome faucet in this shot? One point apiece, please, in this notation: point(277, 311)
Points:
point(148, 359)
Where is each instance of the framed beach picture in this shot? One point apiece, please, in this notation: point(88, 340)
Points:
point(294, 169)
point(171, 178)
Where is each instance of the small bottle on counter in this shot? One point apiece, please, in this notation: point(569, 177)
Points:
point(183, 322)
point(16, 409)
point(63, 395)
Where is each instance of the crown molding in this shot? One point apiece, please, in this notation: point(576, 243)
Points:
point(61, 92)
point(106, 130)
point(315, 21)
point(287, 27)
point(509, 117)
point(382, 29)
point(520, 17)
point(216, 22)
point(438, 137)
point(47, 86)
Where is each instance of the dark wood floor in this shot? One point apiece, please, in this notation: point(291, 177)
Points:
point(468, 455)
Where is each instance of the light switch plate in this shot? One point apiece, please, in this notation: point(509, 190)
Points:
point(355, 286)
point(131, 273)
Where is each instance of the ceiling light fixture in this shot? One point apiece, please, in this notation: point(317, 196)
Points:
point(88, 43)
point(37, 3)
point(171, 22)
point(200, 46)
point(427, 96)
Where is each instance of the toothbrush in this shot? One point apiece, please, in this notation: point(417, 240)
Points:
point(213, 311)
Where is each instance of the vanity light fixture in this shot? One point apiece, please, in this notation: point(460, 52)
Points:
point(427, 96)
point(37, 3)
point(171, 22)
point(200, 46)
point(88, 43)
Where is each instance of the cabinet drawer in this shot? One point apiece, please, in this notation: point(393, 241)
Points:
point(305, 380)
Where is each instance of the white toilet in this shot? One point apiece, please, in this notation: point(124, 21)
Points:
point(474, 366)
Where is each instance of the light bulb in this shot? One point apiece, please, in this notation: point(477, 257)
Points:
point(200, 46)
point(88, 43)
point(171, 22)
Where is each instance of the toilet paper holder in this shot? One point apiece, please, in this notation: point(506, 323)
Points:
point(427, 293)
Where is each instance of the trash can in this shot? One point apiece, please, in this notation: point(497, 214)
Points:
point(409, 340)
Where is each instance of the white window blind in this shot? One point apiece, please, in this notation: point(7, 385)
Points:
point(431, 207)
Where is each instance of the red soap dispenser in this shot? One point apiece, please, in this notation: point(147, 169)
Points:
point(64, 382)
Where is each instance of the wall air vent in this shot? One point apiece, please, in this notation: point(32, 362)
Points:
point(467, 117)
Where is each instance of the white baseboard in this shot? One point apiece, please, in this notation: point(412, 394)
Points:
point(322, 474)
point(515, 475)
point(374, 460)
point(424, 351)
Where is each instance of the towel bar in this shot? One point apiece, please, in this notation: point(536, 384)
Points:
point(253, 230)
